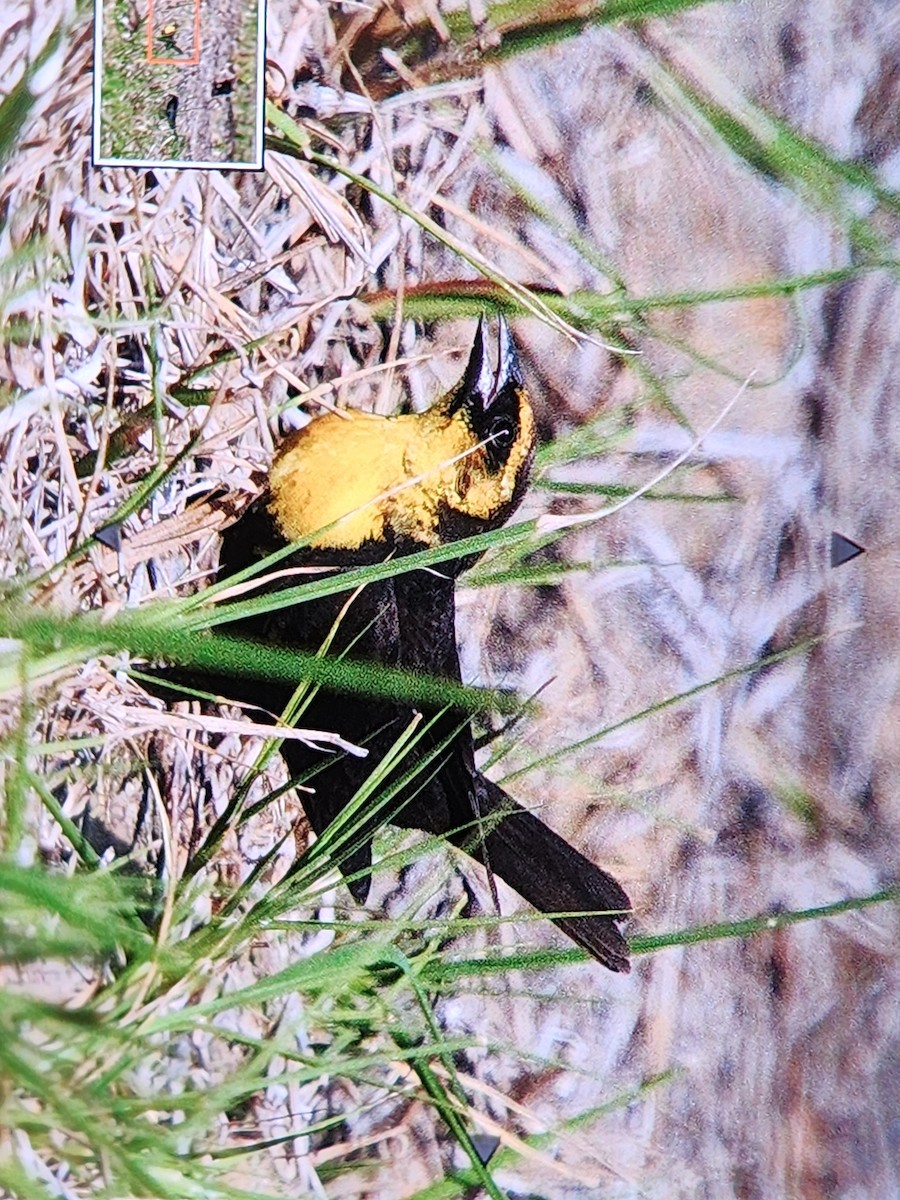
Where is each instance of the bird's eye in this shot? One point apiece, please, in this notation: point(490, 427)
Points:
point(501, 433)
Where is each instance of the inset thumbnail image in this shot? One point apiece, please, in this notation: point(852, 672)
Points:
point(179, 83)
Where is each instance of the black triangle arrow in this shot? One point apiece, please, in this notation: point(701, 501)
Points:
point(111, 536)
point(484, 1145)
point(843, 550)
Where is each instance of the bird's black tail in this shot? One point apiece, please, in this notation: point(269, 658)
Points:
point(552, 876)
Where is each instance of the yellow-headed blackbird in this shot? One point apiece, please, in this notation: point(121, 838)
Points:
point(167, 36)
point(359, 489)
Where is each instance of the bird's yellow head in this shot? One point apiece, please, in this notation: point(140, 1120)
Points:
point(461, 467)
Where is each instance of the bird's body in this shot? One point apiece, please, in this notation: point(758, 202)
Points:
point(360, 489)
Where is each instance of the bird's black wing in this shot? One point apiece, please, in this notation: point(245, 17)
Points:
point(362, 625)
point(365, 628)
point(478, 816)
point(409, 621)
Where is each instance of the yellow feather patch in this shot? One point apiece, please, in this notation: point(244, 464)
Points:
point(349, 479)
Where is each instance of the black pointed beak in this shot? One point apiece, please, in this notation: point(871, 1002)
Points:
point(477, 381)
point(509, 369)
point(481, 385)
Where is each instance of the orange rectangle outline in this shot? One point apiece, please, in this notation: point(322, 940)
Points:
point(174, 62)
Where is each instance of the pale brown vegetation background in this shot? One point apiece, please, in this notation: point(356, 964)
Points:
point(780, 1054)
